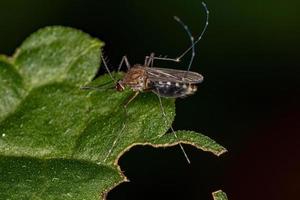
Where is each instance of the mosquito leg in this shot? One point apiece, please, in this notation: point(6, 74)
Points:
point(130, 100)
point(124, 59)
point(186, 28)
point(107, 69)
point(99, 87)
point(124, 125)
point(166, 59)
point(193, 43)
point(114, 142)
point(165, 116)
point(146, 61)
point(149, 60)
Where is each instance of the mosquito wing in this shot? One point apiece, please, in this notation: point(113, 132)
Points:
point(173, 75)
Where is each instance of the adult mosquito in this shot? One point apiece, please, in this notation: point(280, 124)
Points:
point(167, 83)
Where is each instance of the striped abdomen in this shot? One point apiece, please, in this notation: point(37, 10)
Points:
point(172, 89)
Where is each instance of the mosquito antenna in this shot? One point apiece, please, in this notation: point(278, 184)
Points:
point(165, 116)
point(199, 37)
point(186, 28)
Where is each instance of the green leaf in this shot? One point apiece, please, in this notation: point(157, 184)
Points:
point(219, 195)
point(11, 88)
point(57, 141)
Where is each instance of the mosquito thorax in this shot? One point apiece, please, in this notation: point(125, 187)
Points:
point(136, 78)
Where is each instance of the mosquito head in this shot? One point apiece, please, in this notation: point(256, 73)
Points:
point(119, 86)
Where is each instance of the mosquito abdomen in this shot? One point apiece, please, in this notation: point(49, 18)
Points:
point(172, 89)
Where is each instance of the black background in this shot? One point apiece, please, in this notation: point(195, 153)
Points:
point(248, 102)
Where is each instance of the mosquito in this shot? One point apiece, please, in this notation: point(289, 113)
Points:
point(167, 83)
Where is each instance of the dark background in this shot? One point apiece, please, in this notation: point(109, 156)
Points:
point(248, 102)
